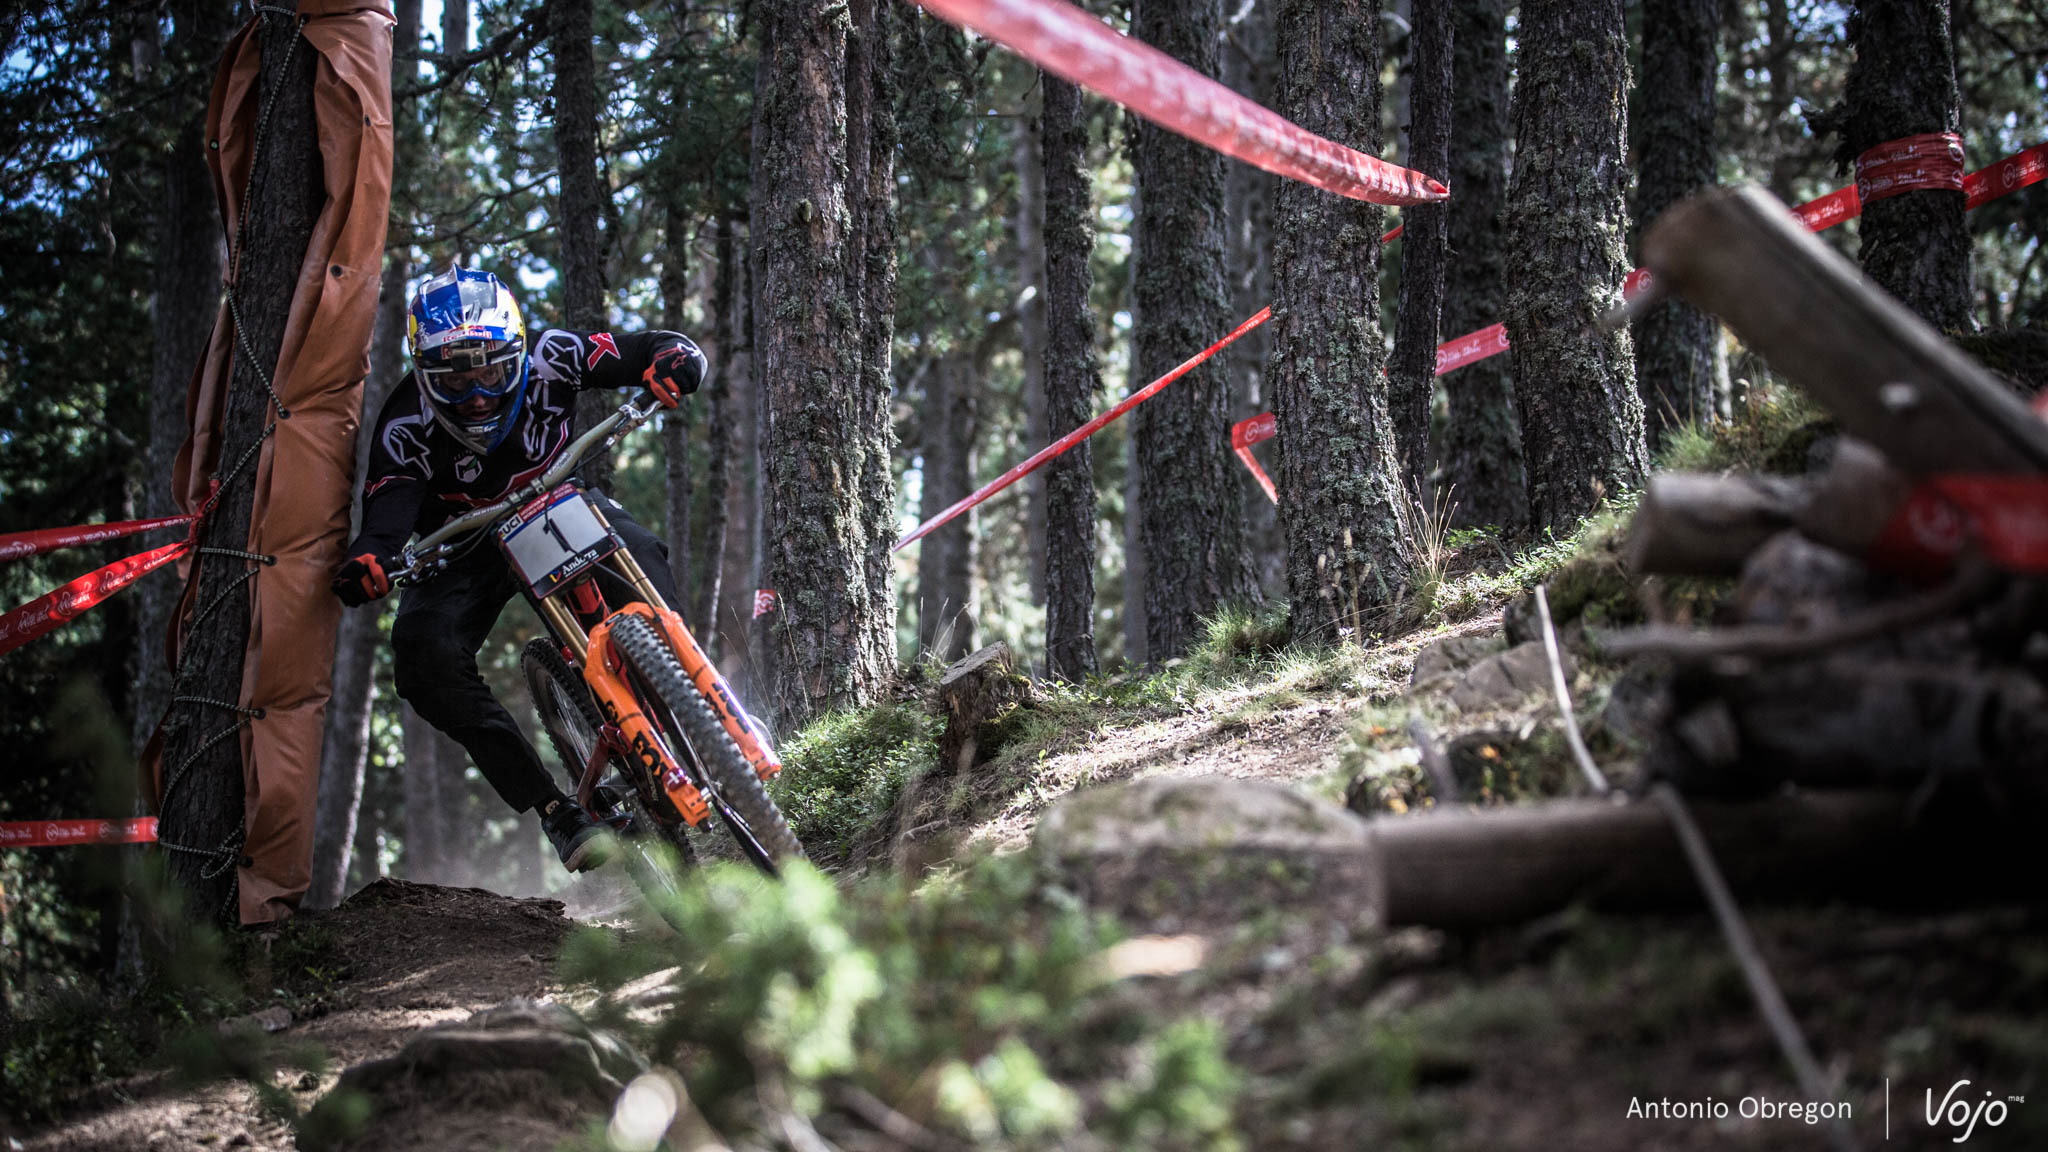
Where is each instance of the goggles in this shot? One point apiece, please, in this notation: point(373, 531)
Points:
point(460, 374)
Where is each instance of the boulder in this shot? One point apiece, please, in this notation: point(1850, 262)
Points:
point(1174, 853)
point(1506, 679)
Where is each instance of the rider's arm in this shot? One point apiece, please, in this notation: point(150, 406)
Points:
point(401, 461)
point(613, 360)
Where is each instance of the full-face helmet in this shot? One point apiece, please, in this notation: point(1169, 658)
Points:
point(468, 347)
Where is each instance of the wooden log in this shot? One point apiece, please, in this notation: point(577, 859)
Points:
point(1466, 870)
point(1692, 524)
point(975, 691)
point(1884, 373)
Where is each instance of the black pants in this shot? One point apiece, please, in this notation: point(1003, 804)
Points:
point(441, 625)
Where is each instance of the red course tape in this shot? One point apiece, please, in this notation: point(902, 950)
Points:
point(54, 833)
point(20, 544)
point(1070, 43)
point(1930, 162)
point(53, 609)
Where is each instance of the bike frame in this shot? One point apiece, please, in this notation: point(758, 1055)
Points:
point(628, 731)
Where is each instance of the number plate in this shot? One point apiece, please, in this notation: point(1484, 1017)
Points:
point(555, 539)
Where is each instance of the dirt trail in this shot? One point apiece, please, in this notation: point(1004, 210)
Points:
point(411, 955)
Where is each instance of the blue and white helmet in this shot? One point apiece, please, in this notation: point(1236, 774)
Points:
point(468, 348)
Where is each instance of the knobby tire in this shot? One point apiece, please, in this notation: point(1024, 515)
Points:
point(735, 790)
point(553, 683)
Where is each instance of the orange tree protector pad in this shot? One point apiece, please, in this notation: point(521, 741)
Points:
point(305, 472)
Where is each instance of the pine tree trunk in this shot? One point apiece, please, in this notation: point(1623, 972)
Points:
point(1582, 421)
point(1482, 466)
point(1680, 368)
point(1027, 235)
point(582, 200)
point(201, 814)
point(1902, 82)
point(675, 423)
point(1072, 379)
point(1248, 198)
point(1192, 505)
point(1341, 499)
point(718, 447)
point(185, 291)
point(945, 561)
point(825, 240)
point(740, 393)
point(1411, 374)
point(433, 772)
point(454, 25)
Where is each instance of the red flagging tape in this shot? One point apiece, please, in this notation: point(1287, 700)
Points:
point(2005, 514)
point(1070, 43)
point(20, 544)
point(1084, 431)
point(53, 609)
point(1929, 162)
point(55, 833)
point(1246, 433)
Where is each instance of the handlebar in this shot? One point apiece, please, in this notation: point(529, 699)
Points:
point(429, 554)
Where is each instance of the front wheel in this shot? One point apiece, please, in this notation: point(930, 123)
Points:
point(729, 782)
point(562, 701)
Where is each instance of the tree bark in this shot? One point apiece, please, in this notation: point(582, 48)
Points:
point(825, 239)
point(1582, 420)
point(185, 288)
point(718, 447)
point(1192, 506)
point(675, 423)
point(1341, 499)
point(1902, 82)
point(945, 559)
point(432, 771)
point(1072, 379)
point(580, 203)
point(201, 812)
point(1680, 368)
point(744, 557)
point(454, 26)
point(1027, 234)
point(1248, 199)
point(1482, 466)
point(1411, 374)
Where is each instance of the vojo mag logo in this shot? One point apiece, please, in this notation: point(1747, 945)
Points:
point(1958, 1112)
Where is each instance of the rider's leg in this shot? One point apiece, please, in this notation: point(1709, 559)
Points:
point(434, 641)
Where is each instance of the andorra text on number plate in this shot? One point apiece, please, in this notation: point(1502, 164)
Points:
point(553, 539)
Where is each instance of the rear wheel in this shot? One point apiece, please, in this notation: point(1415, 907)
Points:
point(562, 701)
point(729, 782)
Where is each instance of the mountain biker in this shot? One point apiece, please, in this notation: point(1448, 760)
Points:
point(482, 414)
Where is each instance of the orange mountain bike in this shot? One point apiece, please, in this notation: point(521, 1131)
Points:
point(638, 715)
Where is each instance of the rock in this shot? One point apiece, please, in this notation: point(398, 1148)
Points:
point(1506, 679)
point(1453, 654)
point(1187, 853)
point(275, 1018)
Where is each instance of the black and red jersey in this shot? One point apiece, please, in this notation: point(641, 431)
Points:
point(420, 476)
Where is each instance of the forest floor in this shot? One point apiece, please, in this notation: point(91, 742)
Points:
point(1319, 1031)
point(1544, 1036)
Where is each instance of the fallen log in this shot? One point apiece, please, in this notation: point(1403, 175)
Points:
point(1465, 870)
point(1884, 373)
point(1693, 524)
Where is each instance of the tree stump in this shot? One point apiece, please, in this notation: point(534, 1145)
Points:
point(977, 693)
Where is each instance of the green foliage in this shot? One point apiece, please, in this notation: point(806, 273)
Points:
point(843, 772)
point(975, 1005)
point(1771, 433)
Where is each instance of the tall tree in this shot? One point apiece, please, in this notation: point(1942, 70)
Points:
point(1191, 502)
point(674, 281)
point(1248, 217)
point(945, 559)
point(718, 435)
point(1341, 499)
point(824, 234)
point(1903, 83)
point(1027, 235)
point(1482, 464)
point(1680, 367)
point(1411, 375)
point(200, 822)
point(1582, 421)
point(1072, 379)
point(454, 26)
point(185, 287)
point(581, 202)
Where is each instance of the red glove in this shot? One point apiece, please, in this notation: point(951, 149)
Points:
point(361, 579)
point(675, 371)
